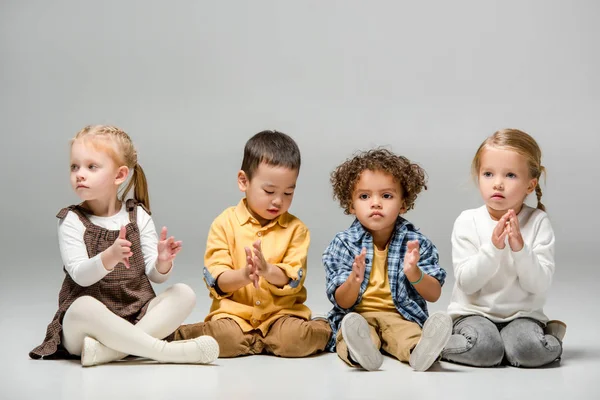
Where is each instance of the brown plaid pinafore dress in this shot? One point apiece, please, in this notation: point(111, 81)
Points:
point(125, 291)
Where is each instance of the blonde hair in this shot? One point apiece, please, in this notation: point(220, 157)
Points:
point(118, 145)
point(521, 143)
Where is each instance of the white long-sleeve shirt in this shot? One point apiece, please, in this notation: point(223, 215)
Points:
point(501, 284)
point(86, 271)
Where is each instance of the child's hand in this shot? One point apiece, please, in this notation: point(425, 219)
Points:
point(120, 250)
point(261, 265)
point(500, 232)
point(515, 240)
point(167, 248)
point(358, 267)
point(412, 255)
point(250, 270)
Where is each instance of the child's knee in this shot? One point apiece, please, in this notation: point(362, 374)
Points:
point(476, 347)
point(309, 338)
point(532, 349)
point(185, 295)
point(82, 308)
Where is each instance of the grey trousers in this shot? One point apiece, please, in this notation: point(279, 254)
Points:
point(479, 342)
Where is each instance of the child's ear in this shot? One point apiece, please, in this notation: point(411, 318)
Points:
point(532, 185)
point(351, 209)
point(122, 174)
point(243, 180)
point(403, 209)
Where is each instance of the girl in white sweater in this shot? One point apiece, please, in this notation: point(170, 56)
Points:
point(503, 258)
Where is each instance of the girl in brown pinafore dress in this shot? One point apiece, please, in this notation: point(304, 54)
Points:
point(108, 312)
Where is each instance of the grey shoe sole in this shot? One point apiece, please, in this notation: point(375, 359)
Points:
point(357, 335)
point(436, 333)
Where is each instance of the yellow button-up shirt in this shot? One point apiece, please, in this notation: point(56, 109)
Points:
point(284, 243)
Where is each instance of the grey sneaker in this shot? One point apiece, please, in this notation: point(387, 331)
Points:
point(436, 333)
point(556, 328)
point(357, 335)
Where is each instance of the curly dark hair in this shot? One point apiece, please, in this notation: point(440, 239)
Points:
point(412, 178)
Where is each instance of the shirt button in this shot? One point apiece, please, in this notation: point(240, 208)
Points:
point(257, 302)
point(259, 234)
point(253, 321)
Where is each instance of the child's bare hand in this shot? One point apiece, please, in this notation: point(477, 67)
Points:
point(500, 232)
point(515, 240)
point(120, 250)
point(412, 255)
point(358, 267)
point(262, 266)
point(167, 248)
point(251, 268)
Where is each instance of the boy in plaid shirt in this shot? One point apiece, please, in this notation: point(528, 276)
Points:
point(381, 271)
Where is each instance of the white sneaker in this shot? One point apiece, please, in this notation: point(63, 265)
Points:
point(95, 353)
point(436, 333)
point(207, 350)
point(201, 350)
point(357, 335)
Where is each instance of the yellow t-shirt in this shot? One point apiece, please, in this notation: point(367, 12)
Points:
point(378, 295)
point(284, 243)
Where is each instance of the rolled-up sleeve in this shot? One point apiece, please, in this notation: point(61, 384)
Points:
point(217, 258)
point(337, 261)
point(294, 263)
point(429, 260)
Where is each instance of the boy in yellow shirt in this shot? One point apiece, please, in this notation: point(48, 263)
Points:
point(255, 262)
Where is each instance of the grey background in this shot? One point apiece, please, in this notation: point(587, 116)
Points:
point(191, 81)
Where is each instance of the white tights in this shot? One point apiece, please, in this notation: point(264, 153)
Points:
point(89, 317)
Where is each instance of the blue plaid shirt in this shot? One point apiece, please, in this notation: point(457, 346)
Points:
point(339, 257)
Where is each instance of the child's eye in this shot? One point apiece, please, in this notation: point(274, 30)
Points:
point(487, 174)
point(267, 192)
point(93, 166)
point(74, 167)
point(387, 196)
point(289, 194)
point(363, 196)
point(511, 175)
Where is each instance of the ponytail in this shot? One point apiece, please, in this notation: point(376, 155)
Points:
point(140, 187)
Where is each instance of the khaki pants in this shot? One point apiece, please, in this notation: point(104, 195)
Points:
point(390, 332)
point(289, 336)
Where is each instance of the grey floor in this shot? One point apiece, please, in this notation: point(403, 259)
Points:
point(27, 310)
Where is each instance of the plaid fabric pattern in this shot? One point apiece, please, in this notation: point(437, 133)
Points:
point(125, 291)
point(339, 256)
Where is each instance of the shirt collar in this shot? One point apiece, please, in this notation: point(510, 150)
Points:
point(402, 225)
point(244, 217)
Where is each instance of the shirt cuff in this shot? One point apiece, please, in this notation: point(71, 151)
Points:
point(210, 278)
point(294, 274)
point(157, 277)
point(99, 270)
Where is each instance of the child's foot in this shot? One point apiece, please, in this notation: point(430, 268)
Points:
point(436, 333)
point(201, 350)
point(95, 353)
point(361, 349)
point(556, 328)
